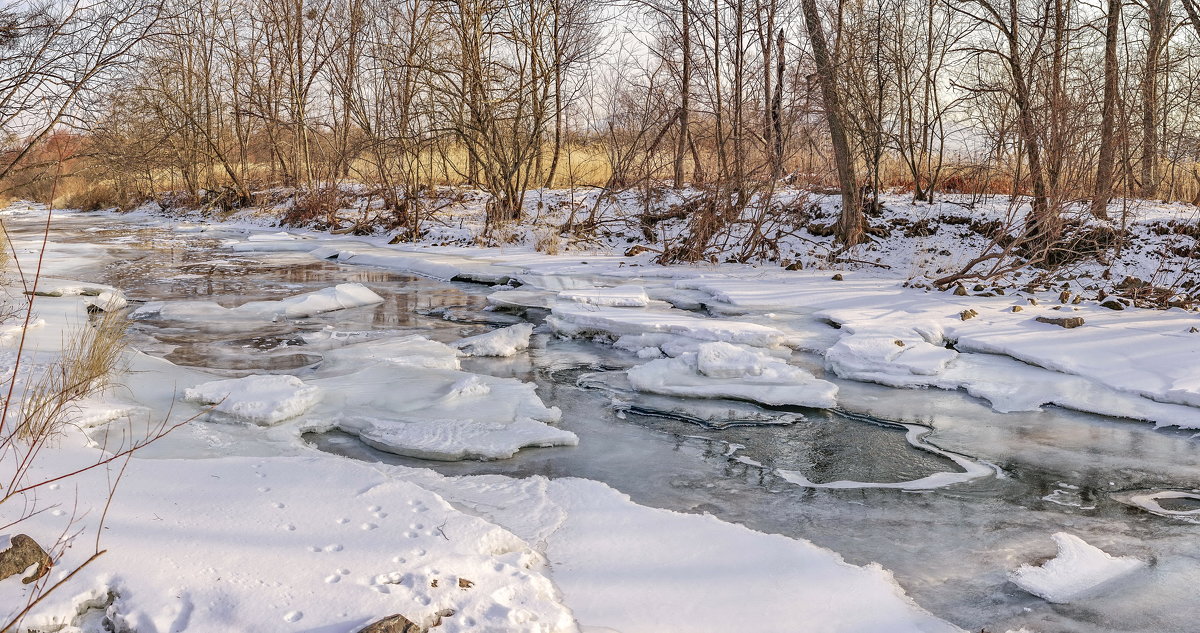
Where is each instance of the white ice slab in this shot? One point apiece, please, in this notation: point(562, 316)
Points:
point(507, 341)
point(618, 296)
point(1077, 570)
point(262, 400)
point(721, 370)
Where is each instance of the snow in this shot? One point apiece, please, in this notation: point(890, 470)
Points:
point(629, 568)
point(619, 296)
point(262, 400)
point(506, 341)
point(583, 320)
point(339, 297)
point(721, 370)
point(1078, 569)
point(295, 544)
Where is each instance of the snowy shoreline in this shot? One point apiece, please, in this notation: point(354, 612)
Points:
point(560, 553)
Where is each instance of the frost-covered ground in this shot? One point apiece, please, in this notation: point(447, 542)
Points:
point(234, 523)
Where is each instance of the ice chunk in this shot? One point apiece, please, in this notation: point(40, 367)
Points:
point(1076, 570)
point(339, 297)
point(722, 360)
point(887, 357)
point(439, 412)
point(262, 400)
point(457, 439)
point(585, 320)
point(107, 301)
point(501, 342)
point(475, 417)
point(740, 375)
point(406, 351)
point(520, 299)
point(619, 296)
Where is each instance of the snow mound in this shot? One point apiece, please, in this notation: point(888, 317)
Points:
point(339, 297)
point(579, 319)
point(888, 357)
point(721, 370)
point(620, 296)
point(1076, 570)
point(262, 400)
point(501, 342)
point(517, 599)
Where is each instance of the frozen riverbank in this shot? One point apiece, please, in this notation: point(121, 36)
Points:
point(847, 521)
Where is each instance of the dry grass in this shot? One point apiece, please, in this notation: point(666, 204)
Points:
point(547, 241)
point(85, 368)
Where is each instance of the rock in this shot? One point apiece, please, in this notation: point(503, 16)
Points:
point(20, 554)
point(393, 624)
point(795, 266)
point(968, 314)
point(1113, 304)
point(1017, 308)
point(978, 288)
point(1064, 296)
point(960, 291)
point(1193, 330)
point(837, 277)
point(1032, 301)
point(635, 250)
point(1067, 322)
point(899, 343)
point(1077, 300)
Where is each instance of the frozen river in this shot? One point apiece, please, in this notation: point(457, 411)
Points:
point(949, 547)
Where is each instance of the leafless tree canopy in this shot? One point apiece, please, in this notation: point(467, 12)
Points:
point(1058, 100)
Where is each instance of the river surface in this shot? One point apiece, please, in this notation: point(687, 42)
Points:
point(950, 548)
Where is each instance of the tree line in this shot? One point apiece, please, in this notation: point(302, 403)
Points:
point(1062, 101)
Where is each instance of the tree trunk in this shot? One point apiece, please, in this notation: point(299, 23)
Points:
point(685, 79)
point(1108, 116)
point(850, 222)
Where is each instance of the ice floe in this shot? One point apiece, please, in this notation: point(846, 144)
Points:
point(1077, 569)
point(407, 396)
point(589, 320)
point(618, 296)
point(262, 400)
point(339, 297)
point(506, 341)
point(721, 370)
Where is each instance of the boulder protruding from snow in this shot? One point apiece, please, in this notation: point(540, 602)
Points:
point(20, 552)
point(1064, 322)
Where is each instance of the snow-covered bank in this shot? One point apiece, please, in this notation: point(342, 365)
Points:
point(343, 362)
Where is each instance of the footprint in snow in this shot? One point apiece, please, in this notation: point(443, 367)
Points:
point(293, 616)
